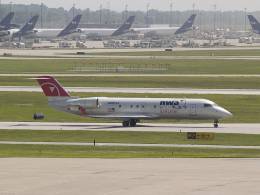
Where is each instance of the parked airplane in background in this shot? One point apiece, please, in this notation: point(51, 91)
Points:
point(125, 28)
point(27, 30)
point(254, 24)
point(105, 32)
point(71, 28)
point(130, 110)
point(187, 26)
point(6, 24)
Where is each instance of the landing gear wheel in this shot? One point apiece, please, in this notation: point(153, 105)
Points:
point(216, 123)
point(125, 124)
point(132, 123)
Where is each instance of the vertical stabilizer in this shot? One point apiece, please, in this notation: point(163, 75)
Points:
point(71, 27)
point(51, 87)
point(125, 28)
point(187, 26)
point(254, 24)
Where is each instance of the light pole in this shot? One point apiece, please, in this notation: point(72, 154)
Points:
point(245, 19)
point(171, 14)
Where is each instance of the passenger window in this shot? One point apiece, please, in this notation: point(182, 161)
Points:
point(131, 106)
point(137, 106)
point(155, 106)
point(207, 105)
point(120, 106)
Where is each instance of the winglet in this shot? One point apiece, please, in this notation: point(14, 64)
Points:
point(51, 87)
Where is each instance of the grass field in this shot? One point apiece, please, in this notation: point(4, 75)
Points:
point(20, 106)
point(121, 152)
point(245, 52)
point(46, 66)
point(145, 82)
point(125, 137)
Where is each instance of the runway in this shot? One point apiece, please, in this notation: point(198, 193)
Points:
point(149, 127)
point(71, 53)
point(76, 74)
point(30, 176)
point(137, 90)
point(130, 145)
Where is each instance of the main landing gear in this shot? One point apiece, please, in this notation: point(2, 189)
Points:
point(216, 123)
point(130, 123)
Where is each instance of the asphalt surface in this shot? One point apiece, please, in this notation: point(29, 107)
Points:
point(137, 90)
point(78, 74)
point(28, 176)
point(129, 145)
point(71, 53)
point(149, 127)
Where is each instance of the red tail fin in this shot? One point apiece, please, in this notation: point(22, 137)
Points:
point(51, 87)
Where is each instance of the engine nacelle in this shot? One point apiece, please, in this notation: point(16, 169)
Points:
point(86, 103)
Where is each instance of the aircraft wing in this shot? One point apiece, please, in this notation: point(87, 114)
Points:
point(130, 116)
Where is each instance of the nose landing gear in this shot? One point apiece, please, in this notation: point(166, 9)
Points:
point(131, 123)
point(216, 123)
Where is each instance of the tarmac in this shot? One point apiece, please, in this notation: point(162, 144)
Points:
point(129, 145)
point(149, 127)
point(137, 90)
point(28, 176)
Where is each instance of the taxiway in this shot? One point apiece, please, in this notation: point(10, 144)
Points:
point(150, 127)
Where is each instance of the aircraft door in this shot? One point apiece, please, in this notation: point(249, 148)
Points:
point(193, 110)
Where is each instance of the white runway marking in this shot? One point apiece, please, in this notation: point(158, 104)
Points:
point(129, 145)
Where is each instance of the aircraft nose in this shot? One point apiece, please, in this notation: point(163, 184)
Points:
point(224, 113)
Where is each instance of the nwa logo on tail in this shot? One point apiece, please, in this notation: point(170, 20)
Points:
point(187, 26)
point(72, 27)
point(254, 24)
point(51, 87)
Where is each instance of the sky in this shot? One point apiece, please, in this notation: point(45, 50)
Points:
point(119, 5)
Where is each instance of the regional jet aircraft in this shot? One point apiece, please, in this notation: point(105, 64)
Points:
point(254, 23)
point(130, 110)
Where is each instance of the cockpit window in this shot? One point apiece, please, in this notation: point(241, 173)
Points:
point(207, 105)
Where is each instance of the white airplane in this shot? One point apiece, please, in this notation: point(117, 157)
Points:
point(127, 28)
point(130, 110)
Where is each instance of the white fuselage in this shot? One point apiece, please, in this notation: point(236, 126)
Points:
point(141, 108)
